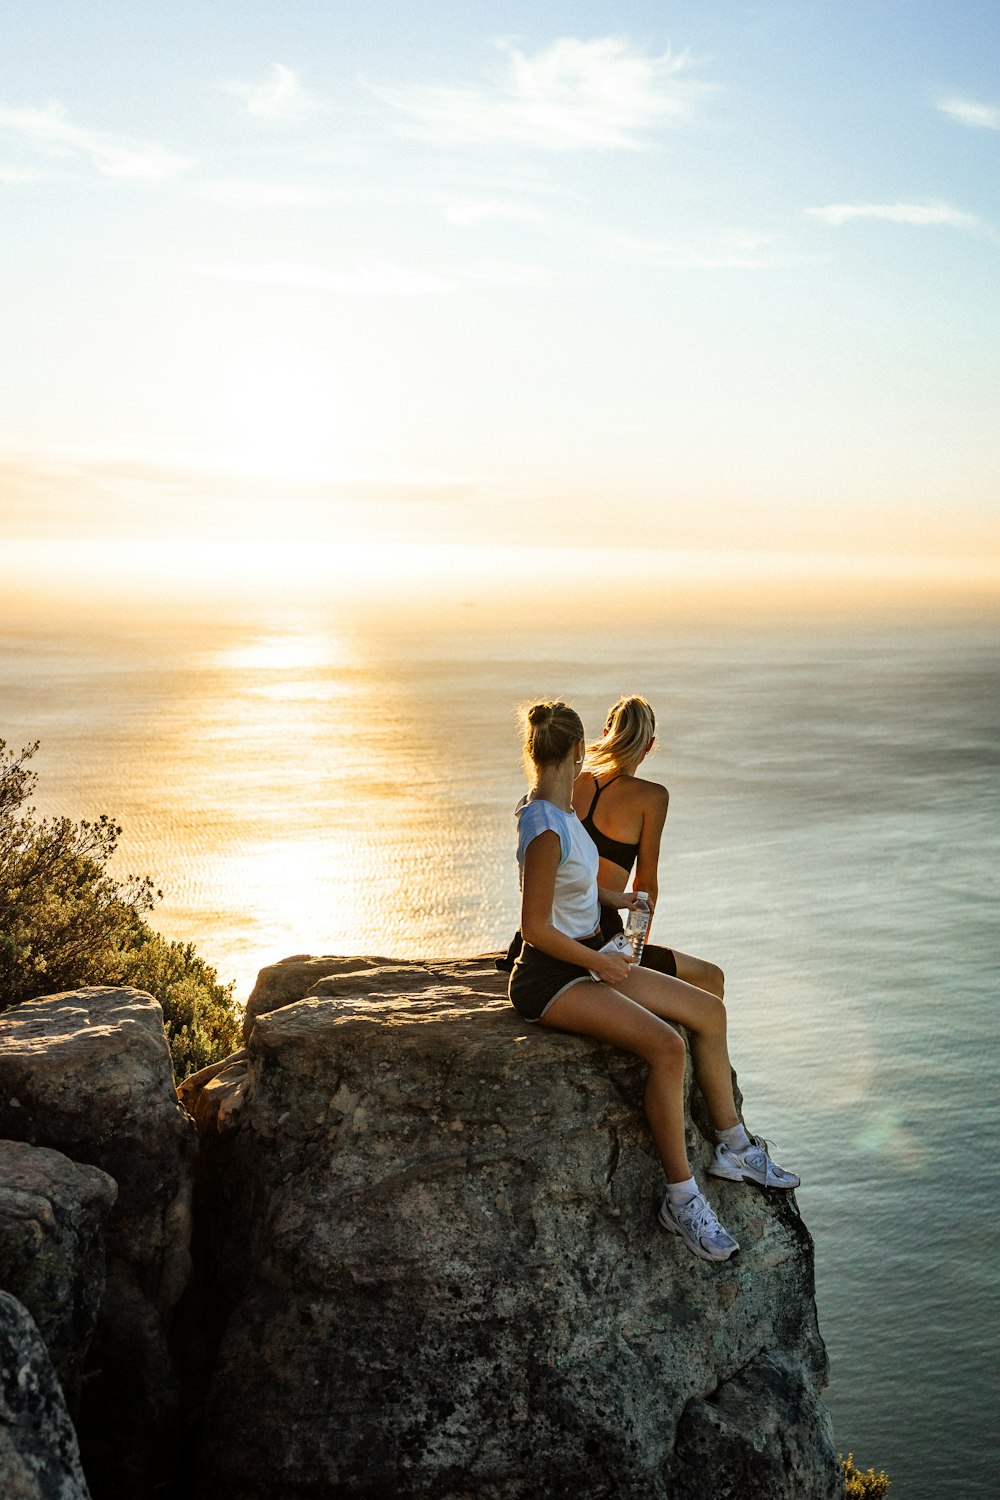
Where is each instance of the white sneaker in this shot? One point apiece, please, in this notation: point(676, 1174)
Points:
point(750, 1164)
point(698, 1227)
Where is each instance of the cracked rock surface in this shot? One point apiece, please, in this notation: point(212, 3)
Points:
point(428, 1232)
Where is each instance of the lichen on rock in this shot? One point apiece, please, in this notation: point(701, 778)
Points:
point(53, 1212)
point(39, 1455)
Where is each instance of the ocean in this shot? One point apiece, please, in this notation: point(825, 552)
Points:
point(298, 783)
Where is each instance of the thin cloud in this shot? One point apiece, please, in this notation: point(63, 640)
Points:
point(968, 112)
point(504, 273)
point(21, 174)
point(920, 214)
point(575, 95)
point(280, 97)
point(488, 210)
point(739, 250)
point(381, 278)
point(95, 493)
point(51, 132)
point(253, 194)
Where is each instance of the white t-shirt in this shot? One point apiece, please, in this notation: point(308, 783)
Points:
point(576, 910)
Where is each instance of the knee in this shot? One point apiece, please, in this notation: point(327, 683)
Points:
point(710, 978)
point(715, 980)
point(712, 1017)
point(702, 974)
point(667, 1049)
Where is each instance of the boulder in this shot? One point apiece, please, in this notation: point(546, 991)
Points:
point(431, 1243)
point(52, 1215)
point(88, 1073)
point(756, 1435)
point(39, 1457)
point(293, 978)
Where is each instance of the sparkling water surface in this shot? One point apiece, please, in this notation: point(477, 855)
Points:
point(296, 784)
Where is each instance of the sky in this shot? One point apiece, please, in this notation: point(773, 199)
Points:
point(679, 286)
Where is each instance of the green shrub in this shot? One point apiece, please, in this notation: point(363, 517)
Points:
point(199, 1014)
point(865, 1485)
point(66, 921)
point(62, 915)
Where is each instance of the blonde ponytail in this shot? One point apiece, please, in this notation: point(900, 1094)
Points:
point(630, 726)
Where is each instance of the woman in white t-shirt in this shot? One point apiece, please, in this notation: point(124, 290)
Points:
point(552, 983)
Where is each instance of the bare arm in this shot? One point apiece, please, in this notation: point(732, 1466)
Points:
point(608, 896)
point(538, 884)
point(654, 815)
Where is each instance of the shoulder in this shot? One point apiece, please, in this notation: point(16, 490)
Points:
point(655, 797)
point(537, 817)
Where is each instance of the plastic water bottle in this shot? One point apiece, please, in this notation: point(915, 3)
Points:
point(637, 922)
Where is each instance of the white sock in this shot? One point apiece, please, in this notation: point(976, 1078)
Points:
point(680, 1192)
point(735, 1137)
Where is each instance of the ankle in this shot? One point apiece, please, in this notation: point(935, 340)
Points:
point(735, 1137)
point(680, 1192)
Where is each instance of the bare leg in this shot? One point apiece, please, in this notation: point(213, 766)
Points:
point(704, 1016)
point(701, 973)
point(599, 1011)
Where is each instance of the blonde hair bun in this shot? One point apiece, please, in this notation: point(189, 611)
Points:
point(552, 729)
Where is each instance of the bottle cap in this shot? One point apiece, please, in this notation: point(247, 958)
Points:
point(642, 895)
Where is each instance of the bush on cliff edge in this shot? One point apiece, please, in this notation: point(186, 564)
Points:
point(863, 1484)
point(66, 921)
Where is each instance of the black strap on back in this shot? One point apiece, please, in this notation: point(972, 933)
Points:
point(597, 792)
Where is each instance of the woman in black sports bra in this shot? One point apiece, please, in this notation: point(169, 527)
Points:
point(624, 816)
point(565, 979)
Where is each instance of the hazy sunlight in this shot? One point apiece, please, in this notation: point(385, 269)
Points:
point(283, 417)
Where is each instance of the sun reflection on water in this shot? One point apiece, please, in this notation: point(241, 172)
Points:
point(306, 798)
point(281, 651)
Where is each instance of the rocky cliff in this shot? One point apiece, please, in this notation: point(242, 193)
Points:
point(426, 1263)
point(87, 1076)
point(439, 1258)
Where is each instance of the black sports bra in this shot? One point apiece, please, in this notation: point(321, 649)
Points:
point(620, 854)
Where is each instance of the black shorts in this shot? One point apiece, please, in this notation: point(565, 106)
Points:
point(660, 960)
point(537, 978)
